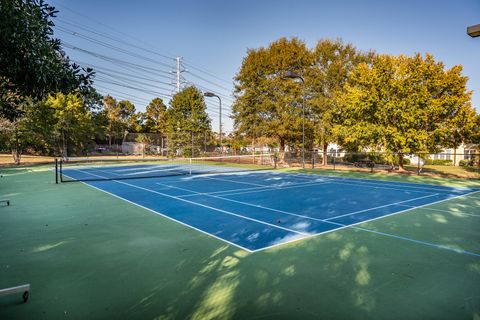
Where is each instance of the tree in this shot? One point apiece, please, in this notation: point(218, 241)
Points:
point(187, 121)
point(400, 105)
point(58, 125)
point(127, 116)
point(11, 138)
point(121, 117)
point(333, 61)
point(154, 119)
point(265, 103)
point(31, 60)
point(459, 128)
point(144, 140)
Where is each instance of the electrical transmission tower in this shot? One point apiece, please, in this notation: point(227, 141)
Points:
point(179, 79)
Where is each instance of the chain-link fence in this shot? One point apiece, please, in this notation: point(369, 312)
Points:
point(417, 163)
point(184, 144)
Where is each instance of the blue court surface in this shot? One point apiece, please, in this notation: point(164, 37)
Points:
point(259, 210)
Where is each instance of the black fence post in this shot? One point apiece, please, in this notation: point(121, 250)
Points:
point(334, 157)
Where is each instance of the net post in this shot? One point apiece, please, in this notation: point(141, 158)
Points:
point(334, 157)
point(61, 170)
point(190, 166)
point(56, 171)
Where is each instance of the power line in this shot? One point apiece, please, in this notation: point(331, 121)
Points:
point(120, 81)
point(113, 38)
point(115, 60)
point(224, 97)
point(122, 94)
point(207, 73)
point(128, 80)
point(98, 68)
point(211, 82)
point(113, 29)
point(134, 88)
point(107, 45)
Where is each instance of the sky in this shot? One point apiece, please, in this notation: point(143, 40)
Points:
point(213, 37)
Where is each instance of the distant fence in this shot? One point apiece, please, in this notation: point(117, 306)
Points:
point(380, 161)
point(171, 145)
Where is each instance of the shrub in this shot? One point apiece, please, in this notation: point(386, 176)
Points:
point(438, 162)
point(467, 163)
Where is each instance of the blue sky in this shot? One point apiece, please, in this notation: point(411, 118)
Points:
point(213, 36)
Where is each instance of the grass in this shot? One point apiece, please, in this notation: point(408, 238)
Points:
point(88, 255)
point(7, 160)
point(450, 171)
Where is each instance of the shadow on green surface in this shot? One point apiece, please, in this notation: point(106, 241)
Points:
point(92, 256)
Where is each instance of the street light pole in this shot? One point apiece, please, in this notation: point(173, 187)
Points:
point(293, 75)
point(211, 94)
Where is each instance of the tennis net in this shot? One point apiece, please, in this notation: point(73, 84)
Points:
point(97, 169)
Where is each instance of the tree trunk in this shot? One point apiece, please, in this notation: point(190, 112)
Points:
point(400, 162)
point(281, 154)
point(455, 155)
point(17, 152)
point(282, 145)
point(325, 154)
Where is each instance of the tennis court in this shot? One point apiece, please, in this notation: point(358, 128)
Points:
point(237, 241)
point(256, 210)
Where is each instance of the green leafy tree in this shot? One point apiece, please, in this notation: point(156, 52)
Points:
point(60, 125)
point(144, 140)
point(154, 119)
point(266, 104)
point(31, 60)
point(127, 116)
point(333, 61)
point(121, 118)
point(460, 128)
point(187, 122)
point(400, 105)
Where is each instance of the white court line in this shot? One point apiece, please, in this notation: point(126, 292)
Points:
point(296, 214)
point(150, 171)
point(400, 184)
point(341, 226)
point(386, 205)
point(440, 210)
point(246, 203)
point(298, 185)
point(241, 182)
point(141, 167)
point(201, 205)
point(370, 220)
point(216, 192)
point(167, 217)
point(378, 187)
point(258, 189)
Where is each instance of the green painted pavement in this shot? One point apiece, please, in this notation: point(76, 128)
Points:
point(89, 255)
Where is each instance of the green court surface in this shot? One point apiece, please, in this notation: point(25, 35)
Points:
point(89, 255)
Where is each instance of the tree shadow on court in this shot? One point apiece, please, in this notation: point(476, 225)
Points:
point(345, 274)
